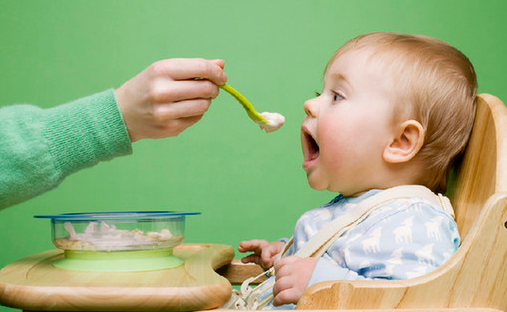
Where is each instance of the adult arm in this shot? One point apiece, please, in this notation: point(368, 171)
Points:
point(40, 147)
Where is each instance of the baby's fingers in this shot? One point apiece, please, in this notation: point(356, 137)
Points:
point(284, 292)
point(268, 258)
point(281, 265)
point(270, 253)
point(253, 258)
point(254, 245)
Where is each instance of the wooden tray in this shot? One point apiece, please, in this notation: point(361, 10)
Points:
point(34, 284)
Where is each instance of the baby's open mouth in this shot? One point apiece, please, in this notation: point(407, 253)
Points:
point(310, 147)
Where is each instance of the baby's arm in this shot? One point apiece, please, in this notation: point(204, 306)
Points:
point(264, 252)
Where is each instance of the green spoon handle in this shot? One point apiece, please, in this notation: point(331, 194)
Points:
point(250, 110)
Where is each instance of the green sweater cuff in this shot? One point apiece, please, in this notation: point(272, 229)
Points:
point(83, 132)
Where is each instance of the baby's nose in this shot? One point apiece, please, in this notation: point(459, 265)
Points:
point(310, 108)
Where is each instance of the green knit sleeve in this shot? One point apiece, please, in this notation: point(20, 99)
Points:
point(40, 147)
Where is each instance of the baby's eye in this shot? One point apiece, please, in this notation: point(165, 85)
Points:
point(317, 94)
point(337, 97)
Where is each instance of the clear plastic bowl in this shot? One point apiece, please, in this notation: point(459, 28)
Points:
point(118, 231)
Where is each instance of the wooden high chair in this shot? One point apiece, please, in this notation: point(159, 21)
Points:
point(475, 278)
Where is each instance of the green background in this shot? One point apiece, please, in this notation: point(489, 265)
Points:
point(247, 184)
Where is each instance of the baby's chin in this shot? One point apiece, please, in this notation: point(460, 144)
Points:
point(315, 184)
point(321, 186)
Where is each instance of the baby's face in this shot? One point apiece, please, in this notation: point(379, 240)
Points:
point(348, 125)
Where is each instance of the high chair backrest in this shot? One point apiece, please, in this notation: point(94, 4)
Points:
point(482, 170)
point(475, 278)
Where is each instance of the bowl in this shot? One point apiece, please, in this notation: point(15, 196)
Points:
point(118, 241)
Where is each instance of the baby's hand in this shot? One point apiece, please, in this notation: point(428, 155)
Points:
point(292, 276)
point(169, 96)
point(264, 252)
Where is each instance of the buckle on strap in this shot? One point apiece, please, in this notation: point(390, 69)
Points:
point(446, 205)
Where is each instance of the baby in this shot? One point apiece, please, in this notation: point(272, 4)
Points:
point(395, 110)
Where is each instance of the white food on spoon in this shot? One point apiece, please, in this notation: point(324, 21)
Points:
point(275, 121)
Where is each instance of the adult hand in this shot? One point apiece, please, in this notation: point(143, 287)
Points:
point(169, 96)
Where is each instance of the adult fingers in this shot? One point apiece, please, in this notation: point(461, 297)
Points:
point(219, 62)
point(184, 69)
point(173, 91)
point(183, 109)
point(184, 123)
point(172, 127)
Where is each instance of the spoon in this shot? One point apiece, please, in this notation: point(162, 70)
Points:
point(250, 110)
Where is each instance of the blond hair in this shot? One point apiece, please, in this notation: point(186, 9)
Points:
point(436, 85)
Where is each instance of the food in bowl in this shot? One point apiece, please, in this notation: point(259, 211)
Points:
point(118, 231)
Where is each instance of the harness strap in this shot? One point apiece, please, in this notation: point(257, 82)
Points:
point(317, 245)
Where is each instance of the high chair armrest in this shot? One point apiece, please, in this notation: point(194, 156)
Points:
point(237, 272)
point(377, 297)
point(344, 294)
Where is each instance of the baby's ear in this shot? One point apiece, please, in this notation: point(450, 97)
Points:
point(406, 143)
